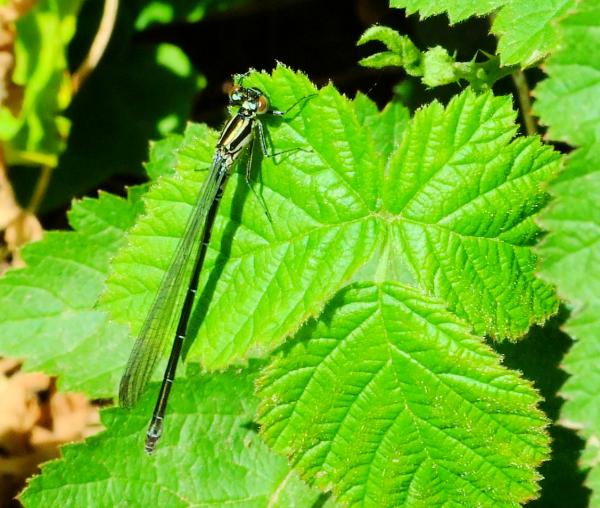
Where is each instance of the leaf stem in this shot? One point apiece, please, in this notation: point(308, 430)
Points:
point(41, 185)
point(524, 94)
point(98, 47)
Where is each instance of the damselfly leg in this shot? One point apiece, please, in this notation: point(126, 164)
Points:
point(260, 134)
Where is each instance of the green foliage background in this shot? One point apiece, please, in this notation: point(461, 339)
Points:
point(377, 342)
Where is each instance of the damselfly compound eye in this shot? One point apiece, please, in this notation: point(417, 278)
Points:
point(263, 105)
point(235, 94)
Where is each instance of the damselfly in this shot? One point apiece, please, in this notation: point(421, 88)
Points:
point(173, 303)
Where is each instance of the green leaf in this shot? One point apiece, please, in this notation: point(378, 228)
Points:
point(570, 256)
point(525, 28)
point(538, 357)
point(48, 316)
point(390, 401)
point(210, 456)
point(458, 10)
point(593, 481)
point(435, 66)
point(569, 101)
point(463, 197)
point(443, 202)
point(402, 52)
point(450, 210)
point(36, 133)
point(152, 12)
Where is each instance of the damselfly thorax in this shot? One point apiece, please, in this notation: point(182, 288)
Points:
point(238, 133)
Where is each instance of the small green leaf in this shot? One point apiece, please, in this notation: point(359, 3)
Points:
point(37, 133)
point(388, 400)
point(435, 66)
point(402, 52)
point(438, 65)
point(210, 455)
point(381, 60)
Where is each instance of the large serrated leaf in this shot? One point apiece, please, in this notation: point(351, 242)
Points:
point(461, 195)
point(444, 201)
point(568, 103)
point(388, 400)
point(450, 209)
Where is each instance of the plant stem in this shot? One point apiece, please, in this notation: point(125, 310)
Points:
point(524, 94)
point(105, 29)
point(41, 185)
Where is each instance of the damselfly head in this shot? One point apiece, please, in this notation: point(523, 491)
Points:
point(250, 100)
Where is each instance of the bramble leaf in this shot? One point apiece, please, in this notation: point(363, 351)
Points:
point(389, 401)
point(450, 210)
point(210, 456)
point(568, 103)
point(458, 10)
point(525, 28)
point(443, 203)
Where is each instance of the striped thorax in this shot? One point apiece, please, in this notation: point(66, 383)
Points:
point(239, 131)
